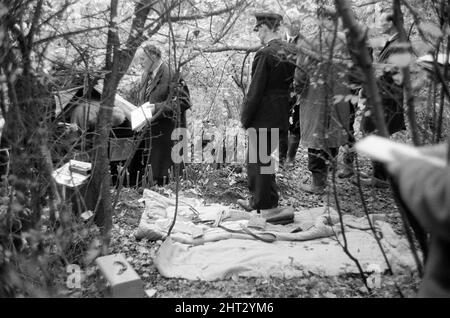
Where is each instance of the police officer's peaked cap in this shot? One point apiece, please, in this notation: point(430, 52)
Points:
point(272, 20)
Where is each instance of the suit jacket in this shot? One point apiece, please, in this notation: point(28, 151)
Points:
point(155, 87)
point(267, 102)
point(426, 190)
point(166, 90)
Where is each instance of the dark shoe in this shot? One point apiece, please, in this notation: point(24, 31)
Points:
point(318, 186)
point(313, 189)
point(245, 205)
point(381, 184)
point(289, 164)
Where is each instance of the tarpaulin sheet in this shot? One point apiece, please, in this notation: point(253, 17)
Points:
point(312, 244)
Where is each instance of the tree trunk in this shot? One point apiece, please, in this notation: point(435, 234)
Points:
point(100, 184)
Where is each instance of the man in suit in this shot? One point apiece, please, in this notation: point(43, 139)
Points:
point(265, 111)
point(165, 89)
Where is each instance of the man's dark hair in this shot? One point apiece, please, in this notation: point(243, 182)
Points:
point(150, 50)
point(326, 12)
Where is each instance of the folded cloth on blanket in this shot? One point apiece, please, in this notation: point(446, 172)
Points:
point(211, 242)
point(197, 223)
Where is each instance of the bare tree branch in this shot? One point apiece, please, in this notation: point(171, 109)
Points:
point(71, 33)
point(358, 40)
point(357, 44)
point(207, 14)
point(59, 12)
point(34, 23)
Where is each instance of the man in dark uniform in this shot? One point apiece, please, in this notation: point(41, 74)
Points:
point(266, 109)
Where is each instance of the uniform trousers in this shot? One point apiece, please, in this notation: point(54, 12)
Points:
point(261, 176)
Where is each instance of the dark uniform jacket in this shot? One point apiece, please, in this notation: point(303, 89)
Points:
point(426, 190)
point(267, 102)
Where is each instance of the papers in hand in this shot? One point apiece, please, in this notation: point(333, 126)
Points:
point(381, 149)
point(141, 115)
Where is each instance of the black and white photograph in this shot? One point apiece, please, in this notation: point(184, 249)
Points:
point(224, 156)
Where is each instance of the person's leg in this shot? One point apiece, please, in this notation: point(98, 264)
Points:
point(262, 184)
point(379, 172)
point(348, 159)
point(349, 155)
point(294, 135)
point(293, 143)
point(136, 168)
point(252, 171)
point(318, 167)
point(161, 151)
point(283, 146)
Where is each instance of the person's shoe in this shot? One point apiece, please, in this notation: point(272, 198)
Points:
point(290, 162)
point(245, 204)
point(371, 182)
point(347, 172)
point(313, 189)
point(318, 185)
point(278, 215)
point(378, 183)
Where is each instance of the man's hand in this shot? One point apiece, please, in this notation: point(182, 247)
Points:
point(148, 104)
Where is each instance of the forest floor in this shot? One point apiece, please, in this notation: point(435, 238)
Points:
point(225, 185)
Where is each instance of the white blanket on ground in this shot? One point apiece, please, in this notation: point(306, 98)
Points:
point(199, 251)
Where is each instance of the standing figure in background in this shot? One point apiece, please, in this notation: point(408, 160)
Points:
point(266, 109)
point(165, 89)
point(391, 91)
point(355, 78)
point(323, 123)
point(293, 36)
